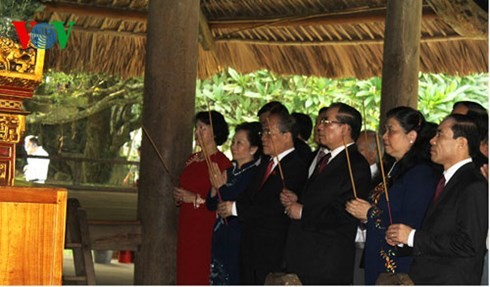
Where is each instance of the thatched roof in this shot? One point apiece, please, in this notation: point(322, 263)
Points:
point(329, 38)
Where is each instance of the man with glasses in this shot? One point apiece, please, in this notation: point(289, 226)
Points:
point(265, 225)
point(321, 151)
point(320, 246)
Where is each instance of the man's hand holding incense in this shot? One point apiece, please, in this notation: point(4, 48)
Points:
point(288, 197)
point(294, 210)
point(397, 234)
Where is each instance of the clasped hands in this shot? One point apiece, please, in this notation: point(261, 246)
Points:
point(218, 179)
point(289, 200)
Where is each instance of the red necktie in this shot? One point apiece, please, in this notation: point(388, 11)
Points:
point(322, 163)
point(439, 188)
point(267, 172)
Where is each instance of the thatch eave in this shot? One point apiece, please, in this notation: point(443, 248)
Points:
point(335, 39)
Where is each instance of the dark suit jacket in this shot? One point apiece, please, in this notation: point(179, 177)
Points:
point(320, 247)
point(303, 150)
point(265, 225)
point(450, 246)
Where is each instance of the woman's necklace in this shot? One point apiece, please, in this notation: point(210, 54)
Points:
point(391, 169)
point(237, 172)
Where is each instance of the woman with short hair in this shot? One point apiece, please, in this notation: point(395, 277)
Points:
point(246, 148)
point(195, 220)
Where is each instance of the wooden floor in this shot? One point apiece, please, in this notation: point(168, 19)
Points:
point(113, 273)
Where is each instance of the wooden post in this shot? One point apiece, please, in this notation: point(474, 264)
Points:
point(401, 55)
point(168, 110)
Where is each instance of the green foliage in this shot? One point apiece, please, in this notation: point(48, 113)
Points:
point(89, 115)
point(66, 107)
point(438, 93)
point(239, 96)
point(16, 10)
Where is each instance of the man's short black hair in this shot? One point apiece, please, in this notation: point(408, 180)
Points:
point(472, 106)
point(272, 106)
point(350, 116)
point(466, 127)
point(303, 126)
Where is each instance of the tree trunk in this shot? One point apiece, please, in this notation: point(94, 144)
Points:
point(97, 146)
point(168, 110)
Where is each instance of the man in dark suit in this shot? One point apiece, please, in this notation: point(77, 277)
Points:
point(449, 247)
point(303, 126)
point(321, 150)
point(265, 224)
point(300, 145)
point(320, 247)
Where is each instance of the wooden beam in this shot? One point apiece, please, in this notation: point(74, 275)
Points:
point(337, 18)
point(206, 37)
point(112, 33)
point(103, 12)
point(464, 16)
point(401, 55)
point(343, 42)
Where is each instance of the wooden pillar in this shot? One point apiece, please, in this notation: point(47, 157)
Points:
point(401, 55)
point(168, 110)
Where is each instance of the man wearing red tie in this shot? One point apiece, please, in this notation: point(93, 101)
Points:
point(449, 247)
point(265, 224)
point(320, 247)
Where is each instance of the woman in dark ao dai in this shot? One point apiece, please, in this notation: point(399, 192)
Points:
point(246, 149)
point(411, 182)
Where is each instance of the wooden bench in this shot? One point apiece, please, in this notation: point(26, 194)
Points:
point(83, 236)
point(114, 235)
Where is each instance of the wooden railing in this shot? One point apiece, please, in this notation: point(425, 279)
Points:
point(77, 183)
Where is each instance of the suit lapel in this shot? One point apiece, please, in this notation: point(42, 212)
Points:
point(451, 184)
point(333, 165)
point(339, 160)
point(274, 171)
point(260, 174)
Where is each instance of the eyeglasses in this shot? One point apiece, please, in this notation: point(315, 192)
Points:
point(325, 121)
point(268, 133)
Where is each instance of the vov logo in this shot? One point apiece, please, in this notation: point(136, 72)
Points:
point(43, 35)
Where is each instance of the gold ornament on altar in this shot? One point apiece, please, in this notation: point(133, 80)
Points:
point(14, 58)
point(20, 68)
point(11, 127)
point(21, 72)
